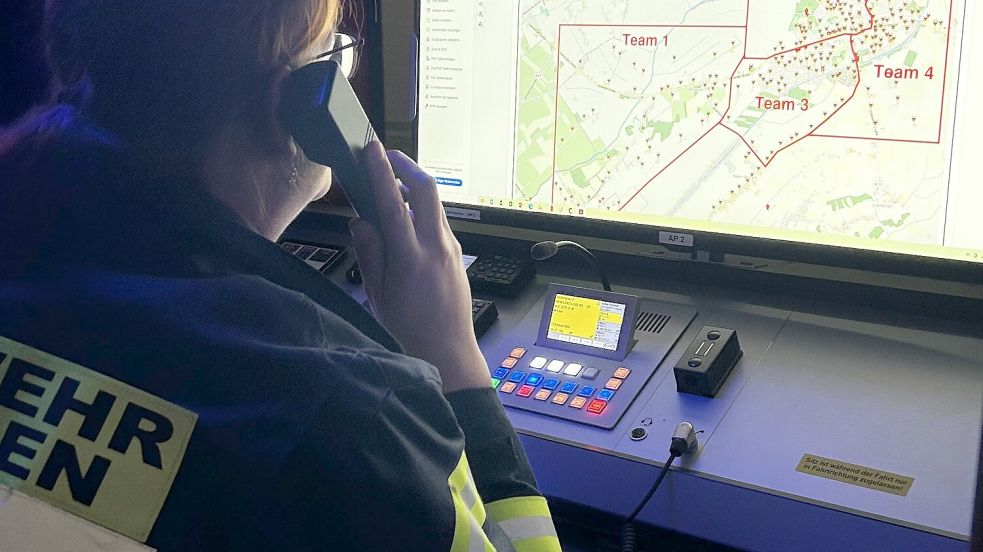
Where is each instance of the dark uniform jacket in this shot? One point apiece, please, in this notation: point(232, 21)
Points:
point(171, 375)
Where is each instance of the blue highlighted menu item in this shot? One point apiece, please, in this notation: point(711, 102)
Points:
point(444, 181)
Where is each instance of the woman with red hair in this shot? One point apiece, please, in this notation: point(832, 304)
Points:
point(168, 373)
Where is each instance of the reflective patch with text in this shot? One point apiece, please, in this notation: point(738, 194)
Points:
point(86, 443)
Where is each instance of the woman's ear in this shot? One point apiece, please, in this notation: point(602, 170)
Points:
point(272, 137)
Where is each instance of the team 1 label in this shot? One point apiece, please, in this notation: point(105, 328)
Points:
point(903, 73)
point(632, 40)
point(782, 105)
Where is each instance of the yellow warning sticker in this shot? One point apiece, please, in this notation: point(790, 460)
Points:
point(861, 476)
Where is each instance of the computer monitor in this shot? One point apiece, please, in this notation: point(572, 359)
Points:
point(837, 133)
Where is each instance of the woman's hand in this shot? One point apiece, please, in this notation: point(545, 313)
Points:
point(413, 273)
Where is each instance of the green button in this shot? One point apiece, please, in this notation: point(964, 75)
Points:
point(496, 382)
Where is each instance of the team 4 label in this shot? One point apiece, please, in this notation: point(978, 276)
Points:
point(903, 73)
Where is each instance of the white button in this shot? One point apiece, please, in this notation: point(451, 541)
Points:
point(538, 362)
point(555, 366)
point(573, 369)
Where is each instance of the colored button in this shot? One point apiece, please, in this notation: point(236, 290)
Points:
point(591, 373)
point(538, 362)
point(596, 406)
point(509, 362)
point(525, 390)
point(534, 379)
point(551, 384)
point(517, 376)
point(573, 369)
point(622, 373)
point(495, 383)
point(555, 366)
point(518, 352)
point(587, 391)
point(507, 387)
point(500, 373)
point(542, 394)
point(605, 395)
point(578, 402)
point(613, 384)
point(568, 387)
point(560, 398)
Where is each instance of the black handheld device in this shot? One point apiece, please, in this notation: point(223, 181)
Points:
point(319, 108)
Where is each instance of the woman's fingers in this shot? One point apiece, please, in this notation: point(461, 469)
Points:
point(421, 192)
point(396, 225)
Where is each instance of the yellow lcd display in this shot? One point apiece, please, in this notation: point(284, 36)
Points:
point(584, 321)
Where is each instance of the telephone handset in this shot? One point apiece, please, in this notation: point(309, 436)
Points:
point(319, 108)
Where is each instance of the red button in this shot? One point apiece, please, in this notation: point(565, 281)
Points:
point(596, 406)
point(525, 390)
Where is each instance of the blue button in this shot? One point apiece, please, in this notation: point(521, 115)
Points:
point(444, 181)
point(586, 391)
point(517, 376)
point(605, 394)
point(500, 373)
point(568, 387)
point(534, 379)
point(551, 384)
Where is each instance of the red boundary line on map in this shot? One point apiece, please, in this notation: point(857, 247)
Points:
point(556, 95)
point(773, 156)
point(945, 80)
point(744, 58)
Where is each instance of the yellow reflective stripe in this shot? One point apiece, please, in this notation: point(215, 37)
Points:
point(462, 524)
point(474, 500)
point(462, 481)
point(469, 512)
point(520, 506)
point(527, 522)
point(537, 544)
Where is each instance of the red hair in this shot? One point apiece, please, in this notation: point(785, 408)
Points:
point(165, 75)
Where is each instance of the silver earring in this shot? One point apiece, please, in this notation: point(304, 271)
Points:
point(294, 177)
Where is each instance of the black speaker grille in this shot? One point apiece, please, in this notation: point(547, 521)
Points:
point(651, 322)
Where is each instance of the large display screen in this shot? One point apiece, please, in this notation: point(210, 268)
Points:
point(837, 122)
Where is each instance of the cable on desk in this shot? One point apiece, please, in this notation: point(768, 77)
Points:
point(683, 442)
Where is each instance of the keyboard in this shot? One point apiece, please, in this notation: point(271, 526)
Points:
point(483, 314)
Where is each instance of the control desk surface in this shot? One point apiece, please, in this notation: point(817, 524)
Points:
point(876, 394)
point(844, 382)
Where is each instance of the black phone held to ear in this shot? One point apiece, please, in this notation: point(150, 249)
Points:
point(319, 108)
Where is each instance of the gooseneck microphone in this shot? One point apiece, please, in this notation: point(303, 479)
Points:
point(547, 249)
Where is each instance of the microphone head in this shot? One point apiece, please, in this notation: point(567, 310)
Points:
point(544, 250)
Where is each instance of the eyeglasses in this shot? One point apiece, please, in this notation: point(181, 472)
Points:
point(345, 52)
